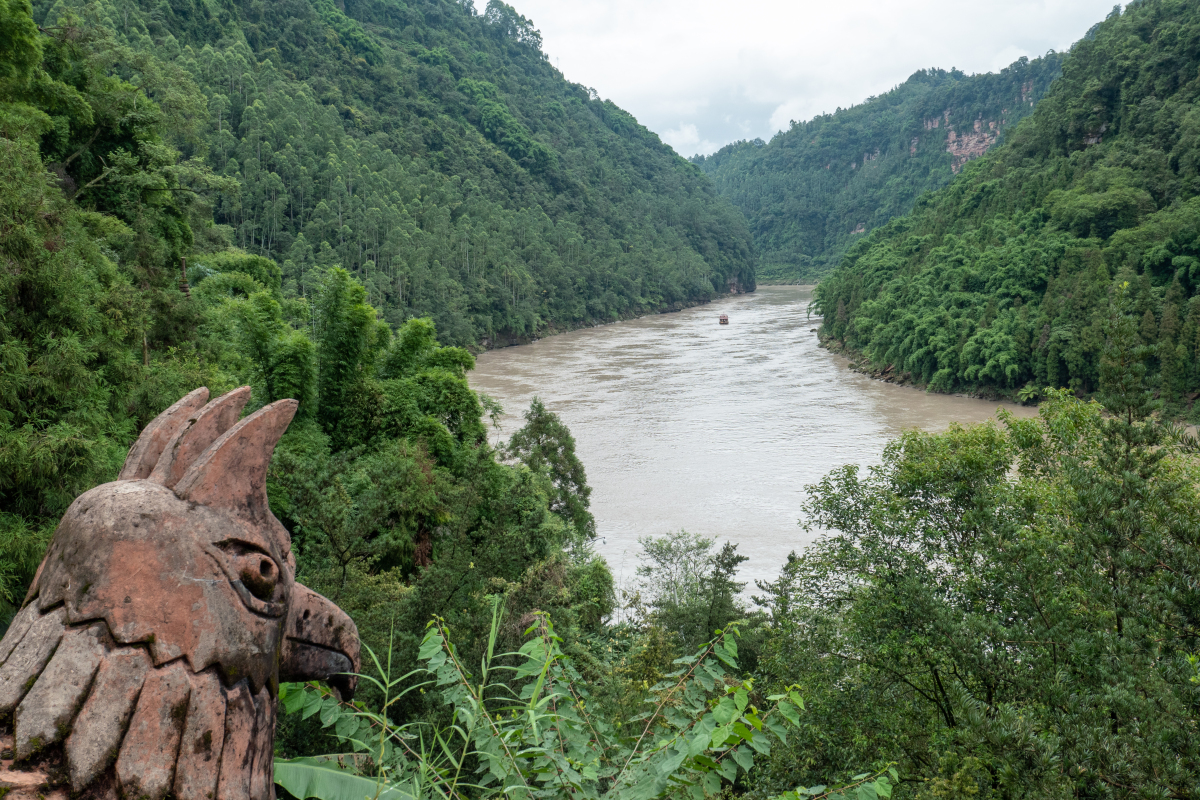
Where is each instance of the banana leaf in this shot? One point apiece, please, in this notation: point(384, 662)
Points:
point(321, 778)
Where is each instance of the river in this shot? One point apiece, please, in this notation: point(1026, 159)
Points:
point(685, 423)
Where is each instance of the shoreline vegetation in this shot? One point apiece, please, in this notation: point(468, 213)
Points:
point(364, 189)
point(1001, 281)
point(554, 330)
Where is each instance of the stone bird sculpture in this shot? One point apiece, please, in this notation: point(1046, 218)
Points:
point(145, 661)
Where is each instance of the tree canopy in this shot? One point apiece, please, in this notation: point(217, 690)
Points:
point(999, 282)
point(433, 153)
point(821, 185)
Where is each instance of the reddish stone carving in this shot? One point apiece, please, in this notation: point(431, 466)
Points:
point(146, 659)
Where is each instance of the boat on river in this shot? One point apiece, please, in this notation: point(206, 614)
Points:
point(723, 319)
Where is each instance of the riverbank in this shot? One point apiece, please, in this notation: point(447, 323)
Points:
point(685, 423)
point(857, 361)
point(555, 329)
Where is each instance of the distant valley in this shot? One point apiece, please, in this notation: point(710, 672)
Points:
point(818, 187)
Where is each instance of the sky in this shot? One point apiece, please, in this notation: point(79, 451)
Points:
point(703, 73)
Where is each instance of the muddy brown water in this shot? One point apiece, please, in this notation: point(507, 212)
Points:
point(685, 423)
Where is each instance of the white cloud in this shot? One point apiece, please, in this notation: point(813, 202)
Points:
point(686, 140)
point(704, 72)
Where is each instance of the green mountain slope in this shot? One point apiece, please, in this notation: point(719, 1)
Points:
point(1003, 278)
point(815, 189)
point(434, 153)
point(397, 503)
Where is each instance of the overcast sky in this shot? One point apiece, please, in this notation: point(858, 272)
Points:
point(702, 73)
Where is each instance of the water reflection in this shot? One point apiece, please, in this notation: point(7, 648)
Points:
point(682, 422)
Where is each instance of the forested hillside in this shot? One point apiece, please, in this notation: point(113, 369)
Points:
point(820, 186)
point(393, 495)
point(433, 152)
point(999, 281)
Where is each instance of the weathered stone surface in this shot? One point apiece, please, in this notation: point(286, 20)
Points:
point(44, 716)
point(195, 437)
point(181, 612)
point(311, 618)
point(96, 734)
point(146, 764)
point(16, 630)
point(237, 755)
point(149, 447)
point(262, 784)
point(232, 473)
point(29, 658)
point(23, 784)
point(203, 737)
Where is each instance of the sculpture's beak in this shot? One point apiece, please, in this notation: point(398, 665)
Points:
point(321, 643)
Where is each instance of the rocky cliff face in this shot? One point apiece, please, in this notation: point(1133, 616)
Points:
point(968, 144)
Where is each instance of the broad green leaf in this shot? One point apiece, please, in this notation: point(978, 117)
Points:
point(762, 744)
point(295, 697)
point(346, 726)
point(312, 704)
point(720, 735)
point(329, 712)
point(644, 789)
point(789, 712)
point(308, 777)
point(671, 763)
point(725, 711)
point(721, 653)
point(743, 757)
point(430, 645)
point(867, 792)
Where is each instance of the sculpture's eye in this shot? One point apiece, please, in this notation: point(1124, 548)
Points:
point(257, 571)
point(260, 578)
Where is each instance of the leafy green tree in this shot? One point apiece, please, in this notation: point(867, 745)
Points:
point(1001, 279)
point(529, 730)
point(434, 154)
point(349, 339)
point(545, 445)
point(1012, 605)
point(690, 589)
point(90, 345)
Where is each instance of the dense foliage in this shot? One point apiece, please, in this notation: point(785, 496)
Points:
point(398, 506)
point(525, 727)
point(1006, 611)
point(1002, 611)
point(816, 188)
point(434, 153)
point(1000, 280)
point(85, 286)
point(996, 611)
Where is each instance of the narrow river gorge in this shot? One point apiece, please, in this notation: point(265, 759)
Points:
point(685, 423)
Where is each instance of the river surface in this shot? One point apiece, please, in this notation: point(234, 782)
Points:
point(685, 423)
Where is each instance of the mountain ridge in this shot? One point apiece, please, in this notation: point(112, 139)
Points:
point(434, 152)
point(1006, 280)
point(809, 192)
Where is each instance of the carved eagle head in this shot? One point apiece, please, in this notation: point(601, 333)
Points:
point(165, 613)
